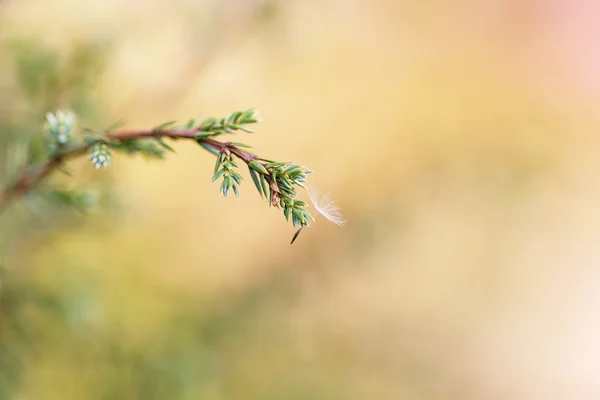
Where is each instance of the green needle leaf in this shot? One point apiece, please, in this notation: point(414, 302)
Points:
point(218, 162)
point(203, 135)
point(237, 144)
point(208, 148)
point(191, 124)
point(255, 179)
point(218, 175)
point(296, 235)
point(166, 146)
point(258, 167)
point(263, 183)
point(162, 127)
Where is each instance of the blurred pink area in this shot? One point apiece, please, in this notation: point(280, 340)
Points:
point(571, 29)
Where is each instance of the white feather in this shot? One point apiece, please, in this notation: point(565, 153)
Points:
point(326, 207)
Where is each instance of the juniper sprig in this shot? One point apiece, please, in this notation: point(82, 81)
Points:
point(275, 181)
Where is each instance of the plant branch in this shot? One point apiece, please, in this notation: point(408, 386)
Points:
point(31, 176)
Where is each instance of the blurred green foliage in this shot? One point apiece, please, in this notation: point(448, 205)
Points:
point(67, 324)
point(39, 79)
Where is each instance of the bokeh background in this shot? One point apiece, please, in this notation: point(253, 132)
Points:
point(461, 139)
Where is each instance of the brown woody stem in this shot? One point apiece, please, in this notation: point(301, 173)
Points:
point(30, 176)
